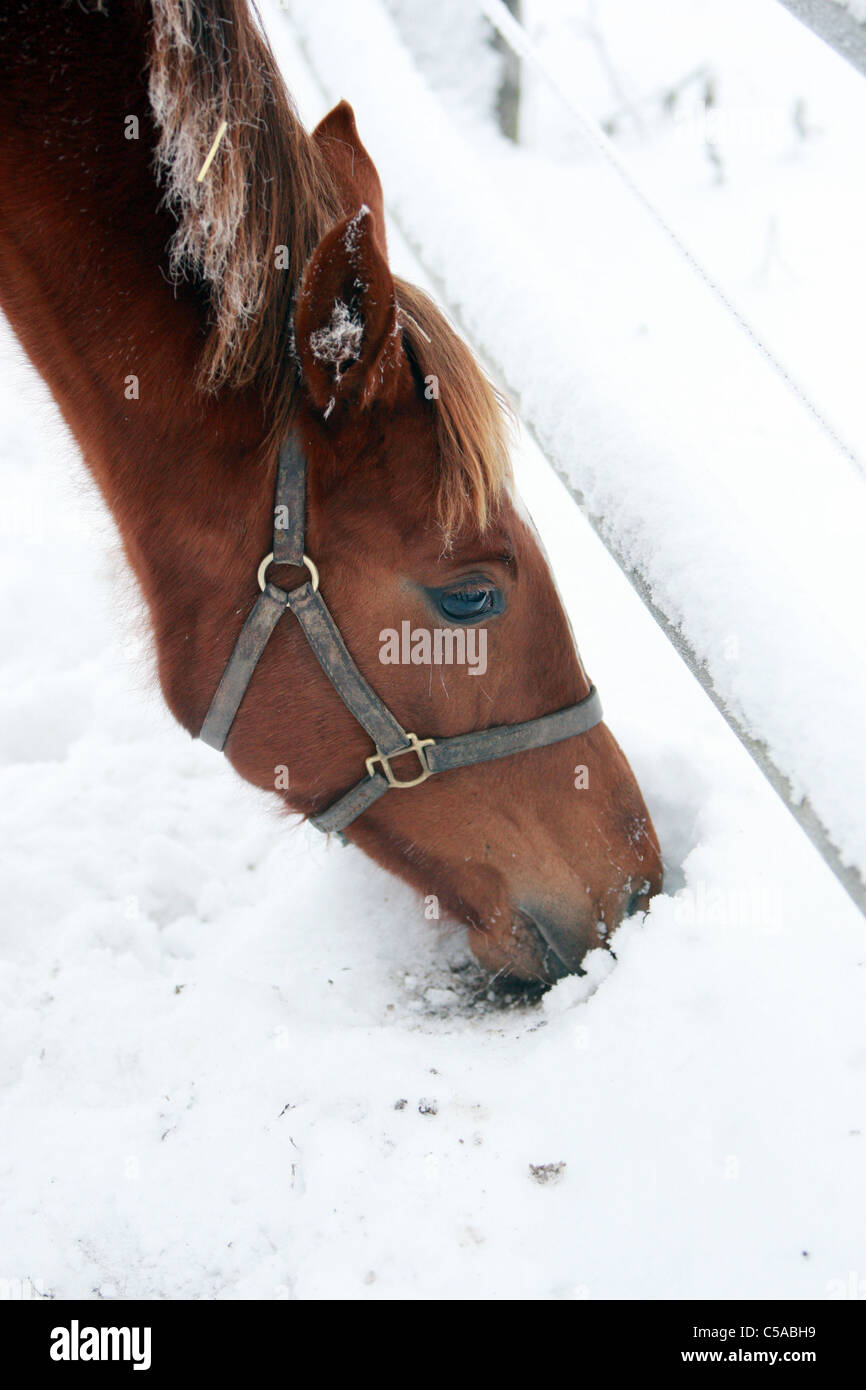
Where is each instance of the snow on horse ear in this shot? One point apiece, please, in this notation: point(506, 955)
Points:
point(351, 167)
point(346, 331)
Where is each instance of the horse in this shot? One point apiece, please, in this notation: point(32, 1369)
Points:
point(200, 280)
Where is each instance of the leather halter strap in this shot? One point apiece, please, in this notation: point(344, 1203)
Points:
point(391, 739)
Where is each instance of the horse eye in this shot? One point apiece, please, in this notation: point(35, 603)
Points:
point(467, 603)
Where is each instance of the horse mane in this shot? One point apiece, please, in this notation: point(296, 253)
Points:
point(247, 229)
point(472, 417)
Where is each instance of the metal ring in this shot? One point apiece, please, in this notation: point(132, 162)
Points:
point(263, 569)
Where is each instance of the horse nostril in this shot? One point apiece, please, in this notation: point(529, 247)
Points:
point(639, 900)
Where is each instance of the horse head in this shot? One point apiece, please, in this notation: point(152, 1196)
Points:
point(187, 330)
point(420, 542)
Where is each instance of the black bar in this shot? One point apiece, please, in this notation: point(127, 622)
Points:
point(243, 1337)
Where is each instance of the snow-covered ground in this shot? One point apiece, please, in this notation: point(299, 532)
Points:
point(238, 1062)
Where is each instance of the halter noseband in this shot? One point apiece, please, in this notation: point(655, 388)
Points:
point(391, 739)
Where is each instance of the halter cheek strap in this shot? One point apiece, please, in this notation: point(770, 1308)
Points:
point(392, 742)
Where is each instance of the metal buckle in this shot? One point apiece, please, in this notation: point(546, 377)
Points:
point(415, 745)
point(263, 569)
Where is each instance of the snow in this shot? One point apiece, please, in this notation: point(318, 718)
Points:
point(340, 339)
point(239, 1062)
point(857, 8)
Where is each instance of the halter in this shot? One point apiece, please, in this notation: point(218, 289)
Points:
point(433, 755)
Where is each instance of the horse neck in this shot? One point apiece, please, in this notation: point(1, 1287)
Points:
point(82, 280)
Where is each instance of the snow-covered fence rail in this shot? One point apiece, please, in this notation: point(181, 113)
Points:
point(840, 23)
point(688, 453)
point(514, 34)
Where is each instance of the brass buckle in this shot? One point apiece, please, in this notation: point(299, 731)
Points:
point(415, 745)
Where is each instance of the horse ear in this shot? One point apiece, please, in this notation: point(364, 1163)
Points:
point(352, 169)
point(346, 332)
